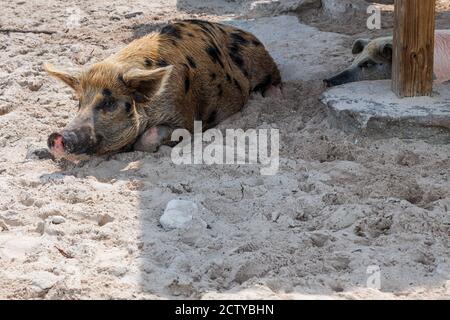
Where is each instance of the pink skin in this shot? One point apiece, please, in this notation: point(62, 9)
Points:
point(58, 148)
point(151, 139)
point(442, 56)
point(274, 92)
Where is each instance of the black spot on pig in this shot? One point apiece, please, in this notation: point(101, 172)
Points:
point(214, 54)
point(171, 31)
point(128, 107)
point(256, 42)
point(161, 63)
point(191, 62)
point(212, 118)
point(187, 83)
point(220, 88)
point(237, 39)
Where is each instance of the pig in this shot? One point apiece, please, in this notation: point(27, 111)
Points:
point(190, 70)
point(373, 60)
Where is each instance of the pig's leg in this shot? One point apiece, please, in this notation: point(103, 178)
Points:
point(273, 92)
point(154, 137)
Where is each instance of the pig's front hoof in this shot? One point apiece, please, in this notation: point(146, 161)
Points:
point(274, 92)
point(152, 139)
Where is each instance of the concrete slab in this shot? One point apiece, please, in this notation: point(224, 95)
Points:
point(370, 107)
point(300, 51)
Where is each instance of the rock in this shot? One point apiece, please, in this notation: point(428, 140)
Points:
point(345, 216)
point(17, 247)
point(42, 280)
point(45, 227)
point(407, 158)
point(133, 14)
point(319, 239)
point(38, 153)
point(261, 8)
point(32, 85)
point(57, 219)
point(104, 219)
point(371, 108)
point(178, 214)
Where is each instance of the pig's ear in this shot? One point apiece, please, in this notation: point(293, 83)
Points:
point(147, 83)
point(386, 51)
point(359, 45)
point(70, 78)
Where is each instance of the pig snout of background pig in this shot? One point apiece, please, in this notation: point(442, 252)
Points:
point(373, 60)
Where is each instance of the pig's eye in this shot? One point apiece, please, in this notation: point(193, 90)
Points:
point(107, 104)
point(368, 64)
point(127, 107)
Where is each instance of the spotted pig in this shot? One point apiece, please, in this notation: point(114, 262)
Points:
point(190, 70)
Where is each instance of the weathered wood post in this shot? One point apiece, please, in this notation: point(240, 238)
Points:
point(413, 48)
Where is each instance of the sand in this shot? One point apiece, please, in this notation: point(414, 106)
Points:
point(341, 210)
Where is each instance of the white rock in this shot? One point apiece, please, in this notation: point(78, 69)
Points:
point(17, 246)
point(42, 280)
point(58, 219)
point(178, 214)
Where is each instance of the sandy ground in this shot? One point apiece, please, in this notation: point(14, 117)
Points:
point(340, 205)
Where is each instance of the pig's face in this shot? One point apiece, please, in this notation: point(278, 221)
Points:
point(373, 61)
point(111, 113)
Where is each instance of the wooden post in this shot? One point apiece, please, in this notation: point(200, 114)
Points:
point(413, 48)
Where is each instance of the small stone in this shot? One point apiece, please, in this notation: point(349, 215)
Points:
point(43, 280)
point(407, 159)
point(178, 214)
point(58, 219)
point(132, 14)
point(44, 227)
point(104, 219)
point(319, 239)
point(32, 85)
point(38, 153)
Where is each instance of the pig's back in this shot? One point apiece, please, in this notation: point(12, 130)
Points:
point(216, 67)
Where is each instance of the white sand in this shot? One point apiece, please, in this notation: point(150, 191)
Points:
point(338, 205)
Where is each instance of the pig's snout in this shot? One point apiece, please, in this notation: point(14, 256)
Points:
point(81, 141)
point(341, 78)
point(327, 83)
point(55, 142)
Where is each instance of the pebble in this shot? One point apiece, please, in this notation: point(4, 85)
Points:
point(319, 239)
point(43, 280)
point(132, 14)
point(38, 153)
point(178, 214)
point(58, 219)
